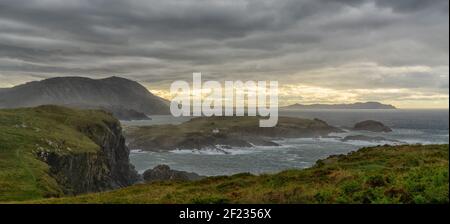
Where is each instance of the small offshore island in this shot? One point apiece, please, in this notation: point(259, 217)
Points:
point(53, 154)
point(352, 106)
point(210, 132)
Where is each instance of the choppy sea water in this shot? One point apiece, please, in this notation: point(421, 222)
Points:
point(409, 126)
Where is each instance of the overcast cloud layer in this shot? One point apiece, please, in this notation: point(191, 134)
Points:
point(320, 50)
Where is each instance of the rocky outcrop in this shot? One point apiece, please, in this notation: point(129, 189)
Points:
point(163, 172)
point(223, 132)
point(373, 126)
point(367, 138)
point(108, 168)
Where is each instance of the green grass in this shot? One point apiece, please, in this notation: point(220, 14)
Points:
point(200, 131)
point(397, 174)
point(208, 124)
point(26, 132)
point(385, 174)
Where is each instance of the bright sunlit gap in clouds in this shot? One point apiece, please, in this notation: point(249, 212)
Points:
point(291, 94)
point(321, 86)
point(394, 52)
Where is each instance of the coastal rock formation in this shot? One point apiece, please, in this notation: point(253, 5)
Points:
point(108, 168)
point(163, 172)
point(371, 125)
point(53, 151)
point(345, 179)
point(210, 132)
point(367, 138)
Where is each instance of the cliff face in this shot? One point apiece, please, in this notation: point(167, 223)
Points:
point(383, 174)
point(106, 169)
point(52, 151)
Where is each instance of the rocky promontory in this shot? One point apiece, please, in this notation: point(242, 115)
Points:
point(210, 132)
point(105, 169)
point(53, 151)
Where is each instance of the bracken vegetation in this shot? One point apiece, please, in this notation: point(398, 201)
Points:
point(384, 174)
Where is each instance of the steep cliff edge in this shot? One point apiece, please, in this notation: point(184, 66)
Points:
point(55, 151)
point(404, 174)
point(106, 169)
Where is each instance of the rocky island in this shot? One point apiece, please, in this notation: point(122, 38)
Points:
point(356, 106)
point(211, 132)
point(373, 126)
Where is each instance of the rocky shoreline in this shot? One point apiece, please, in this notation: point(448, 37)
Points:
point(228, 132)
point(209, 132)
point(92, 154)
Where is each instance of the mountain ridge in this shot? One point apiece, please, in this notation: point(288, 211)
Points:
point(114, 93)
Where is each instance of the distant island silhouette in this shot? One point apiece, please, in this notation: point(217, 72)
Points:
point(359, 105)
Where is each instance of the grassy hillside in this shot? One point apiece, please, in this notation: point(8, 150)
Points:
point(400, 174)
point(24, 133)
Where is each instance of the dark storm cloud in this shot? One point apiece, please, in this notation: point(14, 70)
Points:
point(414, 5)
point(160, 41)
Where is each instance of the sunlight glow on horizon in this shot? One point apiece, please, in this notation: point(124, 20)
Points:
point(303, 94)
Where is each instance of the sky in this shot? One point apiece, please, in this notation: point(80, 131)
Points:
point(320, 51)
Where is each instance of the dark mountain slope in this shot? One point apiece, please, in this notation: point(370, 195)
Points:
point(114, 92)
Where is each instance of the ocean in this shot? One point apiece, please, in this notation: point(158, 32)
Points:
point(409, 127)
